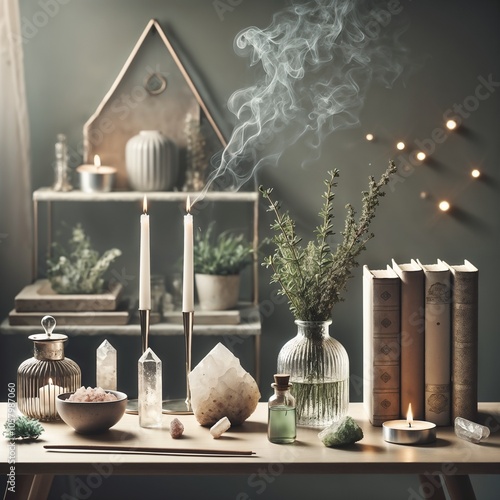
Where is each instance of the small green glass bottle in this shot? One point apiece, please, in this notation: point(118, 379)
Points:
point(282, 428)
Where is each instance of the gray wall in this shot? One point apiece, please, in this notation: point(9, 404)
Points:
point(72, 61)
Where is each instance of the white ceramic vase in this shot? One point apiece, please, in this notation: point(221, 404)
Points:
point(152, 161)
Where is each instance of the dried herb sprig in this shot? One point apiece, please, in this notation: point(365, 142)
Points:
point(313, 277)
point(22, 428)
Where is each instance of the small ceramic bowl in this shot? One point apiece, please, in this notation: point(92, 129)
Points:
point(91, 417)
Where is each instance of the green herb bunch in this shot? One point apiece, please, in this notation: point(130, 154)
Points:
point(79, 268)
point(22, 428)
point(226, 254)
point(313, 277)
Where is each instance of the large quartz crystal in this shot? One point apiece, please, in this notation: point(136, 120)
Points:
point(220, 387)
point(106, 366)
point(345, 431)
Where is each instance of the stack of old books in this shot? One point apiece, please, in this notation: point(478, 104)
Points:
point(420, 341)
point(38, 299)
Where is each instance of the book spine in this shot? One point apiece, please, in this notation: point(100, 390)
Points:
point(437, 347)
point(382, 348)
point(412, 343)
point(464, 369)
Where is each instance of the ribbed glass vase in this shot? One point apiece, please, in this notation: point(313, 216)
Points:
point(319, 372)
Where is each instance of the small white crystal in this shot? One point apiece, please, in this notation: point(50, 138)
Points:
point(220, 427)
point(106, 366)
point(470, 431)
point(220, 387)
point(150, 390)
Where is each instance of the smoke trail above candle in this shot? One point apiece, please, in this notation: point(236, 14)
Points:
point(316, 62)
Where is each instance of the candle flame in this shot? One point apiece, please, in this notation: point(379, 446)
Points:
point(188, 205)
point(145, 205)
point(97, 161)
point(409, 416)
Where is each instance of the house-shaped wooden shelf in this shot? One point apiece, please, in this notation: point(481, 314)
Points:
point(153, 91)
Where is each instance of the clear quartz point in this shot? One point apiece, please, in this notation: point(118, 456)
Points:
point(150, 390)
point(470, 431)
point(106, 366)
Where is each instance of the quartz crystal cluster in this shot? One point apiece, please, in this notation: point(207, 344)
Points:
point(91, 395)
point(345, 431)
point(220, 387)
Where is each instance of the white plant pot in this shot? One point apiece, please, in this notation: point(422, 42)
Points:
point(217, 293)
point(152, 161)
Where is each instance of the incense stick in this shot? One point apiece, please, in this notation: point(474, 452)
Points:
point(145, 449)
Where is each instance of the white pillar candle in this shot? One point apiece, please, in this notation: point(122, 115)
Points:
point(188, 275)
point(144, 265)
point(48, 394)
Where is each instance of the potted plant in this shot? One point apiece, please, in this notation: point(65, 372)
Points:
point(218, 262)
point(79, 269)
point(313, 277)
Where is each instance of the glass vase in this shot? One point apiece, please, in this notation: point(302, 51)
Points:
point(319, 372)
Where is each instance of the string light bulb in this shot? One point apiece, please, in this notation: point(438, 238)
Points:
point(444, 206)
point(370, 137)
point(451, 124)
point(400, 145)
point(475, 173)
point(421, 156)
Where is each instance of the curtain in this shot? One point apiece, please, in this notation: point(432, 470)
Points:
point(16, 233)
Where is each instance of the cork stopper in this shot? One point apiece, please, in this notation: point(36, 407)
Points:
point(281, 381)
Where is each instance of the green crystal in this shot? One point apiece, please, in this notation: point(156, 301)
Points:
point(345, 431)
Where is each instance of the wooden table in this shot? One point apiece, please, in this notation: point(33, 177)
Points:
point(449, 459)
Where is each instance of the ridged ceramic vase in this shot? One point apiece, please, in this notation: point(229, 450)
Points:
point(319, 372)
point(152, 161)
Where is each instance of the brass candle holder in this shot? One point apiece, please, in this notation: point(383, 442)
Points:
point(145, 322)
point(183, 406)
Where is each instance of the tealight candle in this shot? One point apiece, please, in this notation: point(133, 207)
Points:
point(409, 431)
point(96, 178)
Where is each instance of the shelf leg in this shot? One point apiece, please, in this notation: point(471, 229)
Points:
point(432, 487)
point(459, 487)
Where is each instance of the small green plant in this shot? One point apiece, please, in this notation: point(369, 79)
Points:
point(22, 428)
point(79, 268)
point(226, 254)
point(313, 277)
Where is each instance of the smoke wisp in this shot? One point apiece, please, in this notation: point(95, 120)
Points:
point(316, 61)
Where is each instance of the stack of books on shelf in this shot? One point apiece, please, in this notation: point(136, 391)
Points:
point(420, 341)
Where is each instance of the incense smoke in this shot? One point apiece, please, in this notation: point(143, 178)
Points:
point(317, 61)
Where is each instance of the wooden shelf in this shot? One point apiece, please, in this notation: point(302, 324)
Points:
point(245, 328)
point(48, 194)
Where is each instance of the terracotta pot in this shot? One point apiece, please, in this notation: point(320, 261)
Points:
point(216, 293)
